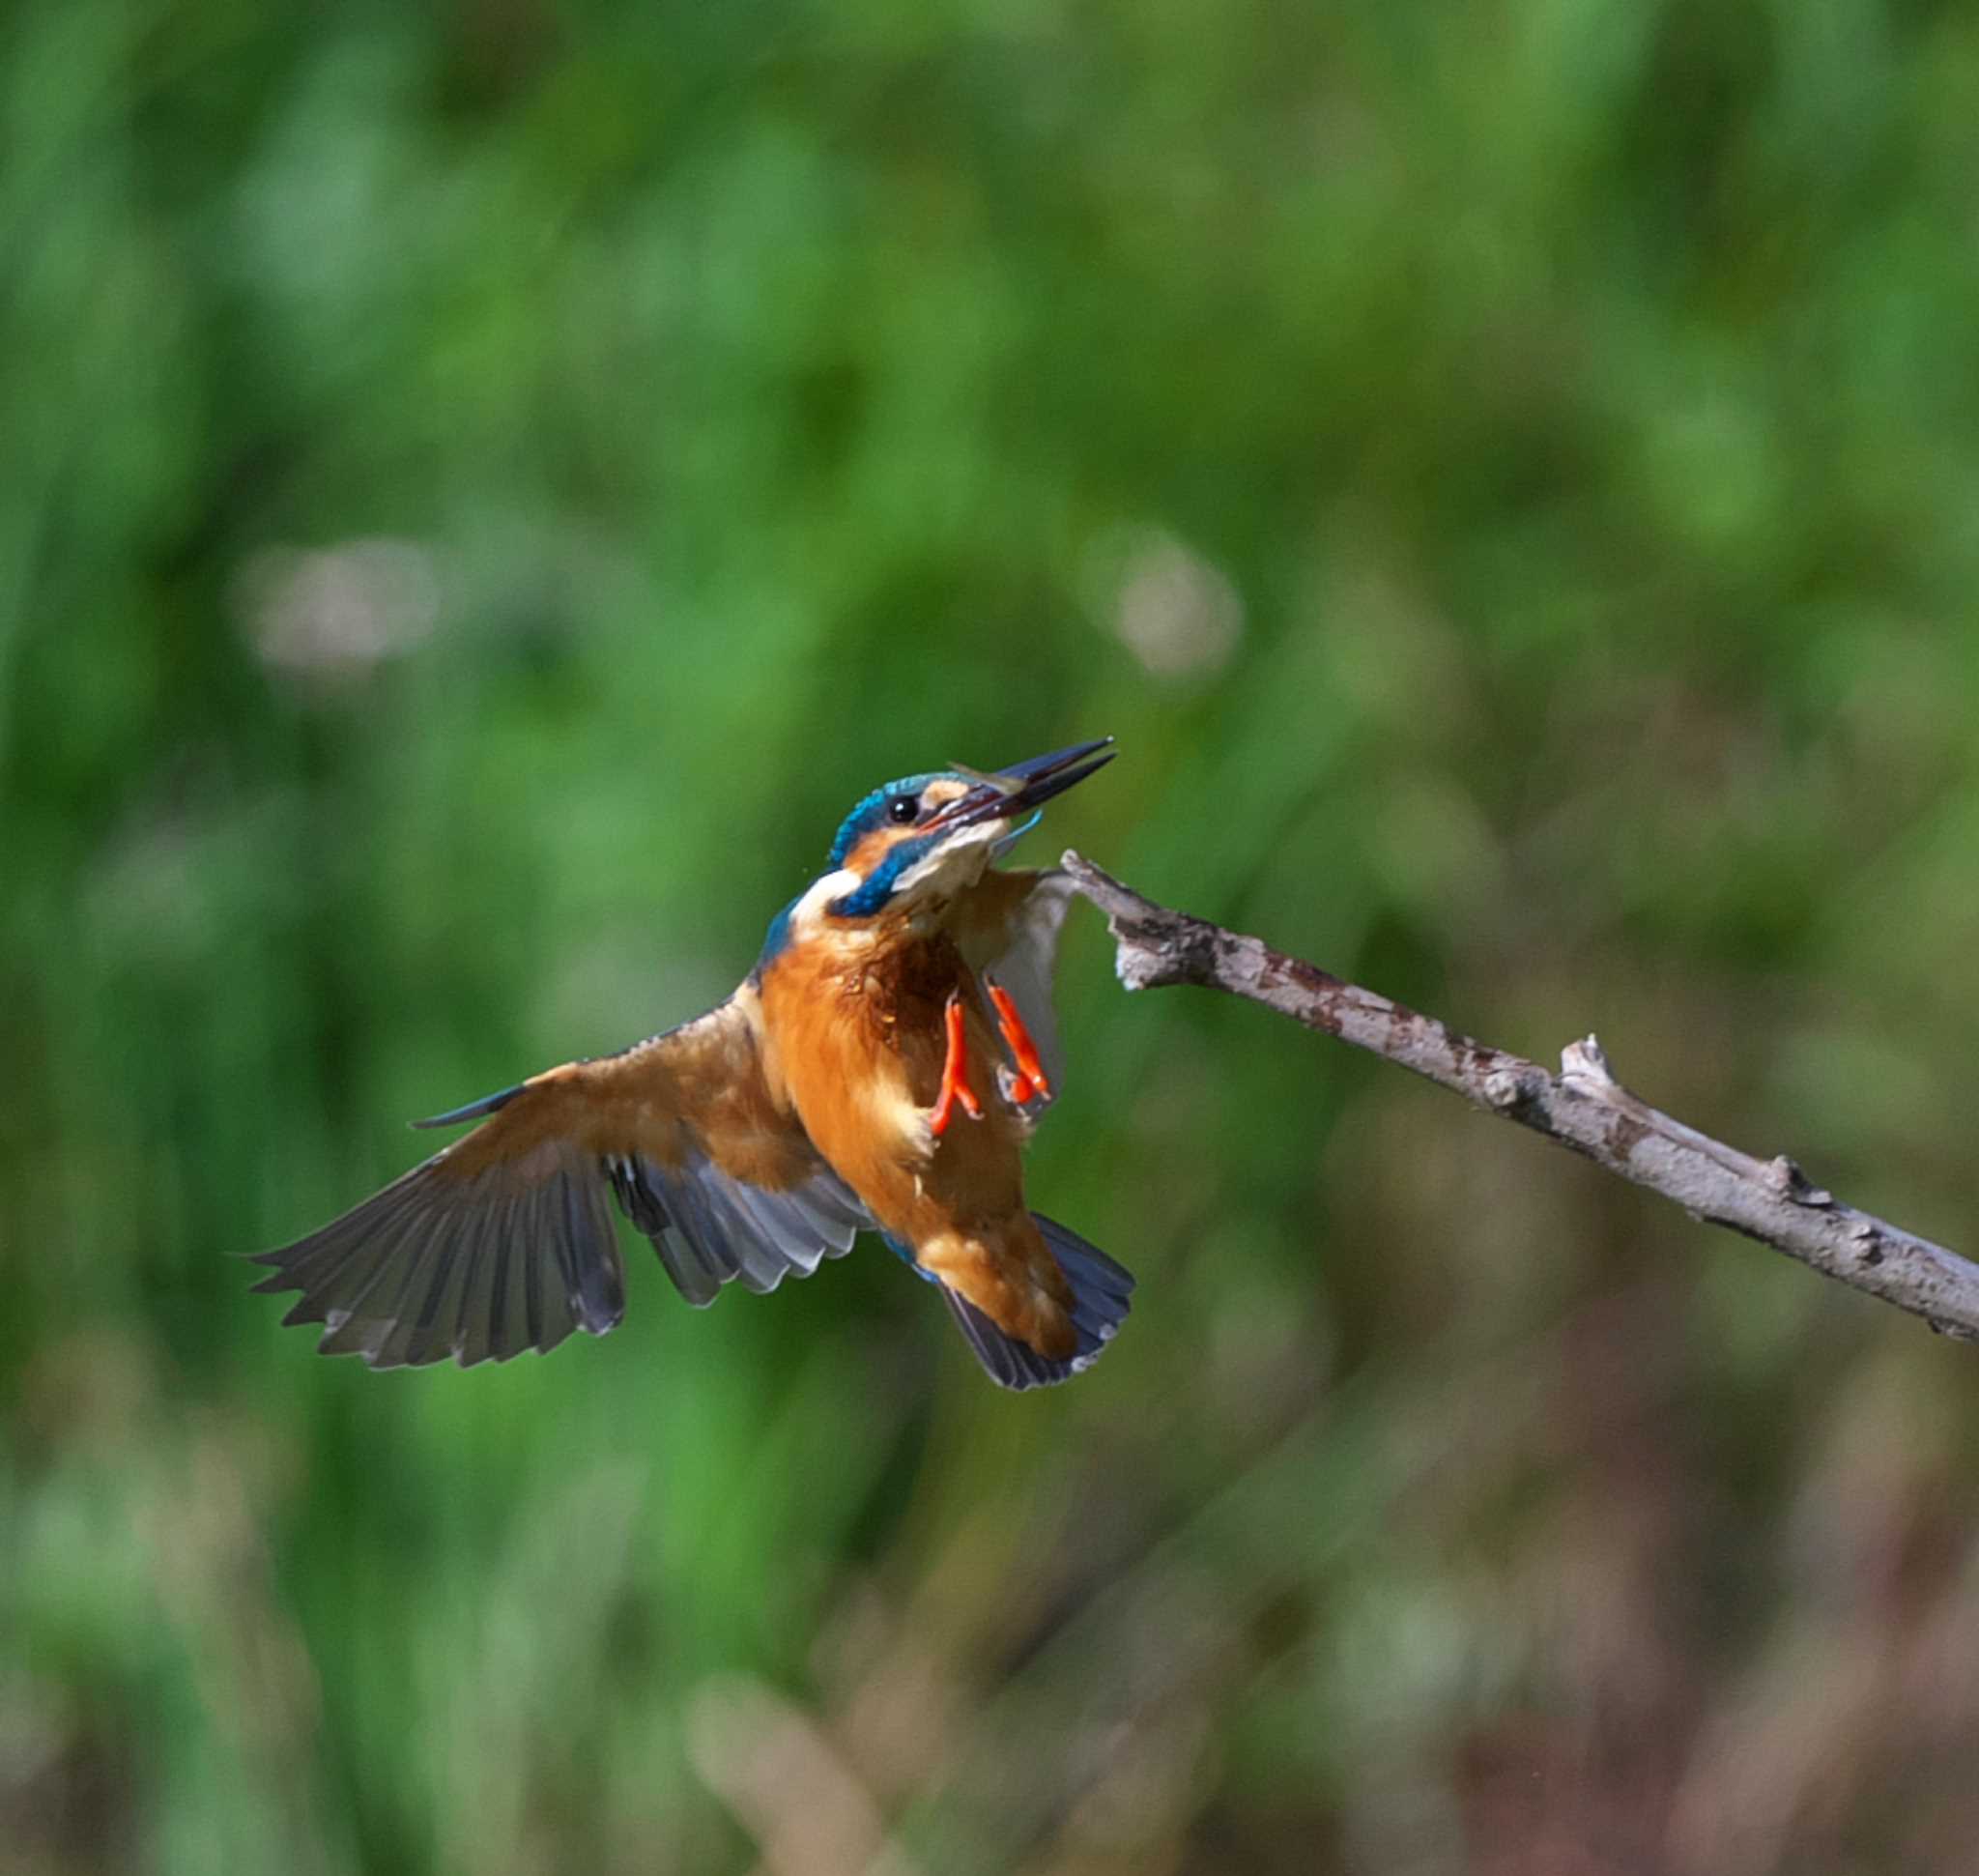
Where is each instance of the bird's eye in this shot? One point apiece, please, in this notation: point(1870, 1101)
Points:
point(903, 807)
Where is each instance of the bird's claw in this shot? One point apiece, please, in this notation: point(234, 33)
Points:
point(955, 1073)
point(1029, 1081)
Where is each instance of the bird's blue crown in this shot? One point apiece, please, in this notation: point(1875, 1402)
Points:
point(872, 895)
point(1012, 795)
point(871, 813)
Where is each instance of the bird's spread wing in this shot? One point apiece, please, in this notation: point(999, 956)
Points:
point(505, 1240)
point(1008, 925)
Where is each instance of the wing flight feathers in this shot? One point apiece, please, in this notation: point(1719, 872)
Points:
point(503, 1241)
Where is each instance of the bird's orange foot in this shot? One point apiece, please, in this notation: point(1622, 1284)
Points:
point(954, 1074)
point(1031, 1081)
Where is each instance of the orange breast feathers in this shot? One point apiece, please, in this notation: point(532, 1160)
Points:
point(856, 1036)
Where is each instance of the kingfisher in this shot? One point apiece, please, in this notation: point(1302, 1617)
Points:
point(880, 1069)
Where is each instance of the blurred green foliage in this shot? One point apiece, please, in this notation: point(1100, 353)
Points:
point(483, 488)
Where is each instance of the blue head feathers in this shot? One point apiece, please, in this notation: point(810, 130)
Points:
point(917, 826)
point(873, 892)
point(874, 810)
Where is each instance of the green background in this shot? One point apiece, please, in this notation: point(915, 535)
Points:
point(483, 489)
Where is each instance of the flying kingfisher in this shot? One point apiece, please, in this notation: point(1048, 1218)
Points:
point(908, 985)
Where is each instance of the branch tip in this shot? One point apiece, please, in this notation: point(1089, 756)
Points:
point(1585, 1107)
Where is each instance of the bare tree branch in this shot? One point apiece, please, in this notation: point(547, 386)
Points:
point(1582, 1107)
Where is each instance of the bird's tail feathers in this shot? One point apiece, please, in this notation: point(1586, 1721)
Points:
point(1100, 1300)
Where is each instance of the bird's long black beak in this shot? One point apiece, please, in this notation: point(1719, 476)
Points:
point(1023, 786)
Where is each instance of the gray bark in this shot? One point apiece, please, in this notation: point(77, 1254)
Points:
point(1582, 1107)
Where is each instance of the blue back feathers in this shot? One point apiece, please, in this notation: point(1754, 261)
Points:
point(774, 940)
